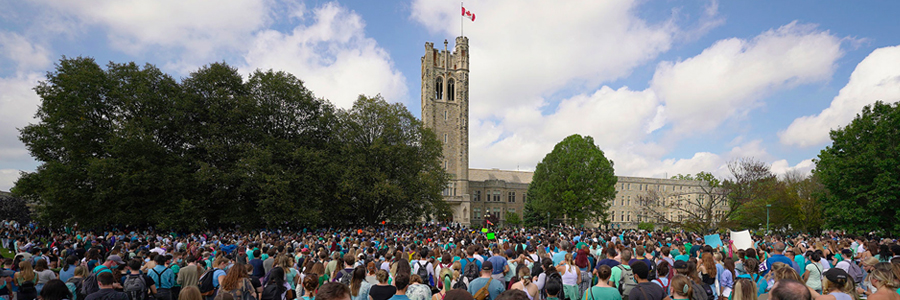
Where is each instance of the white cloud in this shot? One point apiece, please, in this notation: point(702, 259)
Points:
point(522, 51)
point(27, 55)
point(726, 79)
point(18, 101)
point(877, 77)
point(781, 167)
point(196, 28)
point(332, 56)
point(7, 178)
point(730, 77)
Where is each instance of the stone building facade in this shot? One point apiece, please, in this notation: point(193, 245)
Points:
point(474, 193)
point(445, 109)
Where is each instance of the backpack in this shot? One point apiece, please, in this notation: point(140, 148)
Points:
point(708, 290)
point(272, 292)
point(135, 287)
point(471, 270)
point(74, 285)
point(206, 283)
point(627, 282)
point(855, 272)
point(422, 271)
point(699, 294)
point(652, 265)
point(345, 277)
point(89, 285)
point(664, 286)
point(483, 292)
point(461, 283)
point(555, 277)
point(537, 268)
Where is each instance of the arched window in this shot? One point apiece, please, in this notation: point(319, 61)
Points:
point(450, 90)
point(438, 89)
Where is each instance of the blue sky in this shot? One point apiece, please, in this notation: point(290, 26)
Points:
point(664, 87)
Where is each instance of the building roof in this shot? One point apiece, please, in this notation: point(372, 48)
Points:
point(503, 175)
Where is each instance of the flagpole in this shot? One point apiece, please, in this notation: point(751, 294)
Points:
point(461, 19)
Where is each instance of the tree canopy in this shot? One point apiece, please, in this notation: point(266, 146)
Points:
point(575, 181)
point(860, 171)
point(130, 145)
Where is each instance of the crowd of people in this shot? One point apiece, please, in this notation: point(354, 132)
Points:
point(434, 262)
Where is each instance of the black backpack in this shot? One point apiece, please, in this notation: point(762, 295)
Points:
point(537, 268)
point(206, 282)
point(555, 277)
point(89, 285)
point(135, 287)
point(471, 270)
point(460, 284)
point(423, 271)
point(345, 277)
point(272, 292)
point(652, 265)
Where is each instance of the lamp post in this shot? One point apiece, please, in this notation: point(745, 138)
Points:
point(767, 217)
point(548, 220)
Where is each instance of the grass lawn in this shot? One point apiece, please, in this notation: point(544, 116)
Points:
point(6, 253)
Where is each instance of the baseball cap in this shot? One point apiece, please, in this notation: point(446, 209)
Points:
point(836, 275)
point(487, 265)
point(680, 264)
point(116, 259)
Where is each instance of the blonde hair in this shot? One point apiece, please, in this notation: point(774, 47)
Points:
point(883, 272)
point(525, 276)
point(681, 285)
point(81, 271)
point(744, 289)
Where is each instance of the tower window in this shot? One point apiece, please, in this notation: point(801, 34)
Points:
point(438, 89)
point(445, 115)
point(450, 89)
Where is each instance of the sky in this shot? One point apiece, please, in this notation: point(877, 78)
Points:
point(664, 87)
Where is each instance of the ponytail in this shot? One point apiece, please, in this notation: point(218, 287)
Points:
point(447, 283)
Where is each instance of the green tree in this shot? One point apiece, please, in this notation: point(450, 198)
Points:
point(513, 219)
point(14, 208)
point(575, 180)
point(129, 145)
point(391, 166)
point(860, 172)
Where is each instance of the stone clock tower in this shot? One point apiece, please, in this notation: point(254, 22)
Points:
point(445, 109)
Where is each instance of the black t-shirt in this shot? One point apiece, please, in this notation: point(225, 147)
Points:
point(647, 291)
point(382, 292)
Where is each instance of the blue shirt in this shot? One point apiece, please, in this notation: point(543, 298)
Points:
point(499, 262)
point(216, 274)
point(559, 257)
point(464, 261)
point(494, 289)
point(398, 297)
point(164, 277)
point(611, 263)
point(782, 259)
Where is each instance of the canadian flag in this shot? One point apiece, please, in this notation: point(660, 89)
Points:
point(468, 14)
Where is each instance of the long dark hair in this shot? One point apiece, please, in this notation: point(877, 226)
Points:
point(884, 253)
point(729, 265)
point(276, 276)
point(55, 289)
point(70, 261)
point(359, 275)
point(403, 267)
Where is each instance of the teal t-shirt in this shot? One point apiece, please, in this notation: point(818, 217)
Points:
point(602, 293)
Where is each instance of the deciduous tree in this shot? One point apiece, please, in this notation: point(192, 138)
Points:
point(575, 181)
